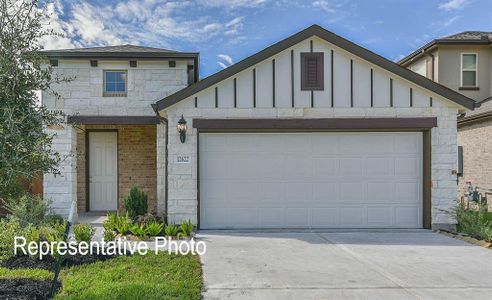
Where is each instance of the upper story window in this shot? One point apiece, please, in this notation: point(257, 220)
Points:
point(312, 71)
point(115, 83)
point(469, 69)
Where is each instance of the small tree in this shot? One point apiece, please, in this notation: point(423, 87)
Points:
point(25, 147)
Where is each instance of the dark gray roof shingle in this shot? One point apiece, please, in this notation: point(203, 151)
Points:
point(470, 35)
point(117, 48)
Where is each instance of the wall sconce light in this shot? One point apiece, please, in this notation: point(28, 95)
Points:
point(182, 129)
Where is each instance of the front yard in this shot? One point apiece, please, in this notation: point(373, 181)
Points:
point(162, 276)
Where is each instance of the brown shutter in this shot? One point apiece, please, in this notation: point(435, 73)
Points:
point(312, 73)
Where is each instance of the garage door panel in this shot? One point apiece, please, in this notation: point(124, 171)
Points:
point(271, 217)
point(296, 217)
point(407, 166)
point(380, 166)
point(326, 167)
point(352, 216)
point(325, 217)
point(304, 180)
point(380, 192)
point(379, 216)
point(407, 216)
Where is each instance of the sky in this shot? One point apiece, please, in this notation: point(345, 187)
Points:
point(227, 31)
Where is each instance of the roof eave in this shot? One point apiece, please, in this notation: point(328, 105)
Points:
point(120, 55)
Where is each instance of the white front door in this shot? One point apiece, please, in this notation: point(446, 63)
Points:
point(311, 180)
point(103, 176)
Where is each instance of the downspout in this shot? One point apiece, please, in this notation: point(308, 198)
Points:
point(166, 162)
point(432, 61)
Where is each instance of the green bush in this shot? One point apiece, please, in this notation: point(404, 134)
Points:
point(108, 235)
point(138, 230)
point(28, 209)
point(154, 228)
point(117, 222)
point(171, 230)
point(474, 222)
point(136, 202)
point(83, 232)
point(186, 228)
point(8, 230)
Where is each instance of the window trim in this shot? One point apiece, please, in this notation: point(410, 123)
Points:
point(320, 75)
point(115, 94)
point(462, 70)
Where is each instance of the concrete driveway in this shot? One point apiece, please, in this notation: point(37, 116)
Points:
point(416, 264)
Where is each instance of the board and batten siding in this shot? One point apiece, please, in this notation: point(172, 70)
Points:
point(353, 87)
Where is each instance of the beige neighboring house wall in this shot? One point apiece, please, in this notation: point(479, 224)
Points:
point(474, 127)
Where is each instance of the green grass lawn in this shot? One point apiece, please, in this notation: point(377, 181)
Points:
point(152, 276)
point(161, 276)
point(36, 274)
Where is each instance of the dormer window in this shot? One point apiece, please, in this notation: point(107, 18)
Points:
point(115, 83)
point(469, 70)
point(312, 71)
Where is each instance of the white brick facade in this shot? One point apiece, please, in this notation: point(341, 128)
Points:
point(83, 95)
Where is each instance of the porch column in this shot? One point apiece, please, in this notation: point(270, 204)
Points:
point(161, 169)
point(62, 189)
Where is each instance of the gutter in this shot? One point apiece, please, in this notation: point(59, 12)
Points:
point(166, 162)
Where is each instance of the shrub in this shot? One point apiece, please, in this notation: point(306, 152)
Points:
point(8, 230)
point(111, 222)
point(474, 222)
point(108, 235)
point(136, 202)
point(147, 218)
point(154, 228)
point(186, 228)
point(117, 222)
point(138, 230)
point(28, 209)
point(171, 230)
point(83, 232)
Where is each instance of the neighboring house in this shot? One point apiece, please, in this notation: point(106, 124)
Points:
point(463, 62)
point(311, 132)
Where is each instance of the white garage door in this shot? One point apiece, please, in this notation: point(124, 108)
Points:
point(310, 180)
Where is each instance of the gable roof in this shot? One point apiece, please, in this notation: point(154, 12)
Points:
point(118, 51)
point(462, 38)
point(314, 30)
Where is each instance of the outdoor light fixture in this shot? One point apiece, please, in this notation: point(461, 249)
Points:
point(182, 129)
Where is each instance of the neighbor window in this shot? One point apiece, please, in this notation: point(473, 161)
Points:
point(115, 83)
point(468, 70)
point(312, 71)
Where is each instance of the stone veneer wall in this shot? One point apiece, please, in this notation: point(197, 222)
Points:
point(137, 162)
point(476, 140)
point(182, 194)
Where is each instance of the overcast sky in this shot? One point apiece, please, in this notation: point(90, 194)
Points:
point(226, 31)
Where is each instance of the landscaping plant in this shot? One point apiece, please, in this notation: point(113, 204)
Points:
point(186, 228)
point(29, 209)
point(108, 235)
point(474, 222)
point(138, 230)
point(171, 231)
point(8, 230)
point(136, 202)
point(83, 232)
point(121, 223)
point(154, 228)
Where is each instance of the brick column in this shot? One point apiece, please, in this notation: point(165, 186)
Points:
point(62, 189)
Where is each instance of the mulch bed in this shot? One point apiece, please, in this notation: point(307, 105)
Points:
point(49, 263)
point(24, 289)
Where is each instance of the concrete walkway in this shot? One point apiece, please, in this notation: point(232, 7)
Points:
point(416, 264)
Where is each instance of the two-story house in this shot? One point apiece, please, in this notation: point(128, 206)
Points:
point(314, 131)
point(112, 141)
point(463, 63)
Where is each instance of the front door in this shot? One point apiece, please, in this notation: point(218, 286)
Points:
point(103, 168)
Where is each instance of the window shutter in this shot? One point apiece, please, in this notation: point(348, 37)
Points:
point(312, 71)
